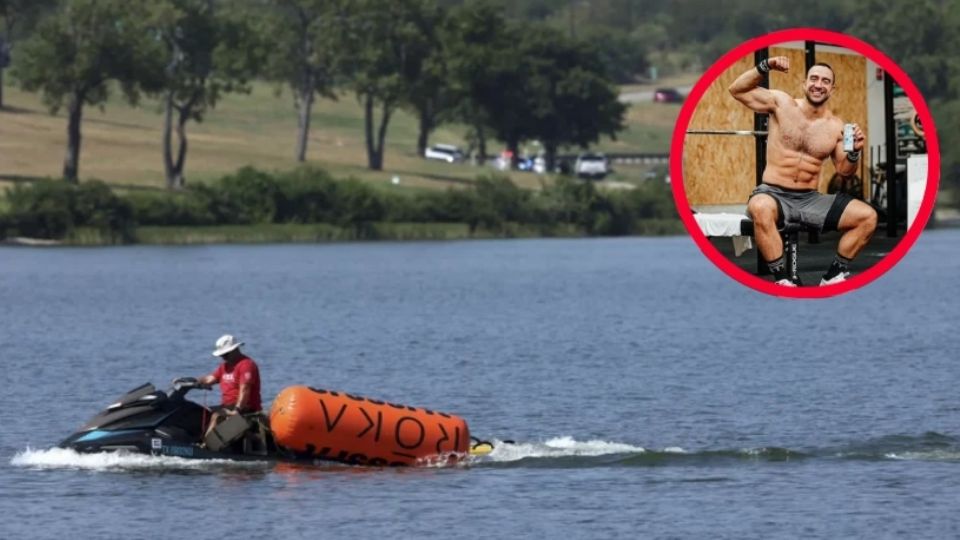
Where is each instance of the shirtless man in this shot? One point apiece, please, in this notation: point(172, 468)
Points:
point(802, 134)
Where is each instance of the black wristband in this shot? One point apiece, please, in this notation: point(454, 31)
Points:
point(854, 156)
point(763, 67)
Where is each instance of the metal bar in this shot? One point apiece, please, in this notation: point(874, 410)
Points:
point(726, 132)
point(809, 55)
point(760, 145)
point(791, 255)
point(892, 216)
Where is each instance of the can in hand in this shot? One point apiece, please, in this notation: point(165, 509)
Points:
point(848, 137)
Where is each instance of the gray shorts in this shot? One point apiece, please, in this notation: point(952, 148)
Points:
point(808, 208)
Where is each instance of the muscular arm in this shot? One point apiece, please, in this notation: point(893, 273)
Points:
point(207, 379)
point(747, 90)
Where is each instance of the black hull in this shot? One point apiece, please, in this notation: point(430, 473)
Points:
point(155, 446)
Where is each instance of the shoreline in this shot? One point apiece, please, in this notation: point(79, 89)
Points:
point(321, 233)
point(314, 233)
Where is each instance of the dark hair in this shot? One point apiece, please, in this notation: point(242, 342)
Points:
point(826, 65)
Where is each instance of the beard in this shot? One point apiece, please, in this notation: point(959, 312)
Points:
point(816, 102)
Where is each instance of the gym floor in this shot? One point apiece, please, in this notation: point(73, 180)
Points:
point(815, 258)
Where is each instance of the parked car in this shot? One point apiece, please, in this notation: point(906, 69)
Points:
point(667, 95)
point(539, 165)
point(592, 165)
point(444, 152)
point(525, 163)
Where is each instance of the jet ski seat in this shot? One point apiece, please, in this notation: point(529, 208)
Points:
point(226, 433)
point(252, 428)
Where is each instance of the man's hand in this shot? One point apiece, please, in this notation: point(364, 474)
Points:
point(747, 90)
point(779, 63)
point(858, 138)
point(847, 162)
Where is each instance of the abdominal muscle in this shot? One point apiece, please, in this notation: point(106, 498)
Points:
point(792, 169)
point(796, 154)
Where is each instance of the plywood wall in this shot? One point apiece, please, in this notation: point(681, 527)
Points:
point(720, 169)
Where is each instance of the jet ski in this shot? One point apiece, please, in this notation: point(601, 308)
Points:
point(164, 423)
point(146, 420)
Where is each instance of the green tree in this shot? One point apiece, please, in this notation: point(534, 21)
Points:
point(475, 36)
point(547, 87)
point(947, 116)
point(427, 87)
point(389, 51)
point(568, 98)
point(491, 76)
point(19, 17)
point(209, 54)
point(921, 36)
point(77, 50)
point(306, 52)
point(623, 56)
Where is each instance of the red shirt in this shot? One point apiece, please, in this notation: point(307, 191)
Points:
point(232, 376)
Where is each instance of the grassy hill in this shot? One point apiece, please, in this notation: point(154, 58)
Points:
point(121, 144)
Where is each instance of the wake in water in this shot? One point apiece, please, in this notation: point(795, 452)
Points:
point(568, 452)
point(930, 446)
point(556, 448)
point(63, 458)
point(557, 452)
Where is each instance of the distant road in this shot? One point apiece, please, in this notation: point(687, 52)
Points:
point(647, 95)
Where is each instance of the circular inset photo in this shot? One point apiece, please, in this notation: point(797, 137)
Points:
point(805, 163)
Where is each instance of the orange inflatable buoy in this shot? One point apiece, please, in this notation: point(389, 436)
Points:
point(323, 424)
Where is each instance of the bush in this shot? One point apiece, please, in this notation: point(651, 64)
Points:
point(306, 195)
point(169, 209)
point(42, 209)
point(98, 207)
point(54, 209)
point(356, 205)
point(452, 205)
point(497, 201)
point(247, 196)
point(569, 201)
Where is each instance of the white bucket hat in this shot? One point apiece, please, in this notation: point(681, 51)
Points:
point(225, 344)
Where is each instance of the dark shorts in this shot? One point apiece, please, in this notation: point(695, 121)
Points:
point(810, 209)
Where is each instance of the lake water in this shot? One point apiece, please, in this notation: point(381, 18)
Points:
point(648, 394)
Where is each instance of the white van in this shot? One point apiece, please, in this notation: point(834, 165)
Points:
point(592, 166)
point(444, 152)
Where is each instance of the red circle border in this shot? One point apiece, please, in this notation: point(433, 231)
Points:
point(836, 39)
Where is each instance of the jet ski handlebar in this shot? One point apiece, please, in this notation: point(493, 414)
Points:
point(182, 385)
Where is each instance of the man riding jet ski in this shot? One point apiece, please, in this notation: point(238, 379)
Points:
point(151, 421)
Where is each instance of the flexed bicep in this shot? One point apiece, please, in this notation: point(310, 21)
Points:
point(747, 90)
point(759, 100)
